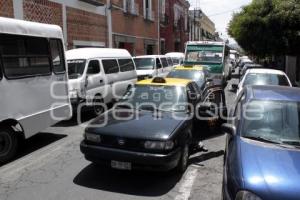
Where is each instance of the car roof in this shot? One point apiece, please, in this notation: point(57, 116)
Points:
point(20, 27)
point(169, 82)
point(264, 71)
point(267, 92)
point(175, 54)
point(150, 56)
point(190, 68)
point(205, 42)
point(90, 53)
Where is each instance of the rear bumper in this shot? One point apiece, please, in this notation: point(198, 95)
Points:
point(139, 160)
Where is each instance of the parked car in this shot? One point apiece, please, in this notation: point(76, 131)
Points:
point(99, 75)
point(243, 62)
point(262, 77)
point(262, 156)
point(249, 66)
point(177, 57)
point(196, 73)
point(157, 133)
point(150, 66)
point(33, 82)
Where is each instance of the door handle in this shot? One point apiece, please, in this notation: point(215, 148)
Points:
point(101, 81)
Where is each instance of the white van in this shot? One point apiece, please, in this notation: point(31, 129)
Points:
point(149, 66)
point(99, 75)
point(177, 57)
point(33, 81)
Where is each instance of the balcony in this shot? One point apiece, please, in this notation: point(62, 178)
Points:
point(95, 2)
point(131, 8)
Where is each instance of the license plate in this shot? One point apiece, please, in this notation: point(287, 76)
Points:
point(121, 165)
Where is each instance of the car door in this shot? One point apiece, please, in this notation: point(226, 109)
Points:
point(215, 95)
point(94, 79)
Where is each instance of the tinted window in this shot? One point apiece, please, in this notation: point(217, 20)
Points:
point(110, 66)
point(24, 56)
point(170, 61)
point(94, 67)
point(164, 62)
point(266, 79)
point(75, 68)
point(158, 63)
point(144, 63)
point(126, 65)
point(57, 56)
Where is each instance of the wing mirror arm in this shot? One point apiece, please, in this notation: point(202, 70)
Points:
point(228, 129)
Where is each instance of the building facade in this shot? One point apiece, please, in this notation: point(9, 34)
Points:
point(201, 27)
point(174, 28)
point(135, 26)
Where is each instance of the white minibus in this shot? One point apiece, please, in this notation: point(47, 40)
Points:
point(99, 75)
point(33, 81)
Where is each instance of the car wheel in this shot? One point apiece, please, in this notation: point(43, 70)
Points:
point(183, 162)
point(8, 144)
point(98, 107)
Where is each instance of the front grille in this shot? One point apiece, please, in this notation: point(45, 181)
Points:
point(121, 143)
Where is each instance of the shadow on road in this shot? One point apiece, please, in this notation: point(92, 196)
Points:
point(197, 160)
point(149, 184)
point(37, 142)
point(74, 121)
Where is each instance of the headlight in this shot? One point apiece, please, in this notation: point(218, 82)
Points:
point(93, 137)
point(245, 195)
point(154, 145)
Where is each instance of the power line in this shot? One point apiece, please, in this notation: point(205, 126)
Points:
point(224, 12)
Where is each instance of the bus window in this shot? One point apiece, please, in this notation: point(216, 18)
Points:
point(57, 56)
point(24, 56)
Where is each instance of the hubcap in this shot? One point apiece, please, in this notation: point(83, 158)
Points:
point(98, 108)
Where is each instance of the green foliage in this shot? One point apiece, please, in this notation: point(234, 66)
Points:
point(268, 27)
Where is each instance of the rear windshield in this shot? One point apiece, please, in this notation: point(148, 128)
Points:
point(144, 63)
point(266, 79)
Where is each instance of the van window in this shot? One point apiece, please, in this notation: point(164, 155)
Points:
point(158, 64)
point(110, 66)
point(94, 67)
point(126, 65)
point(24, 56)
point(170, 61)
point(164, 62)
point(57, 56)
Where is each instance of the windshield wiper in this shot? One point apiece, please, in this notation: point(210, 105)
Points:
point(261, 139)
point(294, 143)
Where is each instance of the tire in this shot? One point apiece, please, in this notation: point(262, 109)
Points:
point(98, 109)
point(8, 144)
point(183, 162)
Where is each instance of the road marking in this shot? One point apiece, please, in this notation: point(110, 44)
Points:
point(187, 185)
point(37, 159)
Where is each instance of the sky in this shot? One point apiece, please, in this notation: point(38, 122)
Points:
point(219, 11)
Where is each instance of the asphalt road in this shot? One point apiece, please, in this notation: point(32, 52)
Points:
point(51, 166)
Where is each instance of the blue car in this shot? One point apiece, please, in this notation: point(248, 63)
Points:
point(262, 159)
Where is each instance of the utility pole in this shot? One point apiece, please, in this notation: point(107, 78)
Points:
point(109, 8)
point(158, 26)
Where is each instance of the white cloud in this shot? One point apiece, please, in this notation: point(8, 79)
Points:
point(220, 11)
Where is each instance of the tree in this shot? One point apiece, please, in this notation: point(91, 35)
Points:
point(268, 27)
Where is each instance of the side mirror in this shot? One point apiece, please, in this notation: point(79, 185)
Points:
point(235, 87)
point(228, 129)
point(209, 80)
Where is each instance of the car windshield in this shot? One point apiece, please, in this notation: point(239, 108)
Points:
point(76, 68)
point(197, 76)
point(265, 79)
point(204, 54)
point(144, 63)
point(275, 121)
point(165, 98)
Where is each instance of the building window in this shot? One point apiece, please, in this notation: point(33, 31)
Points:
point(131, 7)
point(148, 12)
